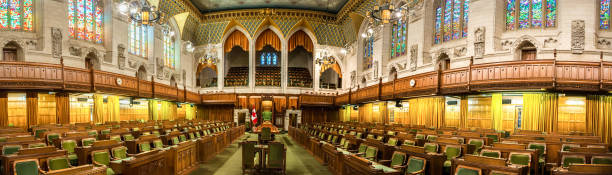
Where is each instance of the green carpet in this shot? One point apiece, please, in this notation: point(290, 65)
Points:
point(228, 162)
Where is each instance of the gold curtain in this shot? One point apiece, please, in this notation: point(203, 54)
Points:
point(463, 112)
point(3, 109)
point(62, 107)
point(168, 110)
point(236, 39)
point(334, 67)
point(599, 116)
point(153, 110)
point(280, 103)
point(427, 111)
point(112, 108)
point(98, 116)
point(496, 111)
point(268, 37)
point(189, 111)
point(539, 112)
point(300, 38)
point(31, 108)
point(46, 109)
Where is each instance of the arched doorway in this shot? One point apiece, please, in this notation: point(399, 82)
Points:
point(300, 60)
point(142, 73)
point(91, 61)
point(172, 81)
point(445, 62)
point(12, 52)
point(268, 59)
point(331, 77)
point(206, 77)
point(236, 62)
point(527, 51)
point(392, 74)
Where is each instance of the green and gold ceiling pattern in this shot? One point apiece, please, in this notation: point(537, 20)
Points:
point(332, 6)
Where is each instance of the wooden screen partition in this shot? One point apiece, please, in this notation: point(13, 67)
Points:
point(205, 152)
point(183, 158)
point(147, 163)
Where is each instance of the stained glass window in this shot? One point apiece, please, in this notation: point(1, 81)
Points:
point(604, 14)
point(522, 14)
point(16, 14)
point(268, 59)
point(398, 42)
point(139, 39)
point(451, 20)
point(85, 19)
point(368, 54)
point(169, 52)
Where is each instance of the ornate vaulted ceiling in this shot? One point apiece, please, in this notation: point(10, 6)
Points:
point(331, 6)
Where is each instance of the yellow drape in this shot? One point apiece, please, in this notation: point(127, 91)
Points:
point(62, 107)
point(4, 109)
point(189, 111)
point(496, 111)
point(427, 111)
point(168, 110)
point(32, 108)
point(599, 116)
point(540, 112)
point(98, 108)
point(112, 108)
point(153, 110)
point(463, 110)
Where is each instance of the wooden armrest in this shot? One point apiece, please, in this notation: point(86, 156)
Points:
point(418, 172)
point(359, 154)
point(385, 162)
point(400, 167)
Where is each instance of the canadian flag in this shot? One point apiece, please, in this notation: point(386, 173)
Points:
point(254, 116)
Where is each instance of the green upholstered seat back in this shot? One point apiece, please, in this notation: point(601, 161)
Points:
point(144, 147)
point(371, 136)
point(128, 137)
point(334, 139)
point(379, 138)
point(92, 133)
point(101, 157)
point(329, 138)
point(519, 159)
point(175, 140)
point(392, 141)
point(106, 131)
point(452, 151)
point(467, 171)
point(266, 115)
point(541, 147)
point(10, 149)
point(266, 134)
point(158, 143)
point(352, 133)
point(409, 142)
point(116, 137)
point(120, 152)
point(371, 152)
point(197, 134)
point(192, 136)
point(51, 137)
point(397, 159)
point(431, 148)
point(146, 133)
point(414, 165)
point(275, 158)
point(248, 154)
point(432, 138)
point(362, 148)
point(156, 133)
point(342, 141)
point(135, 129)
point(601, 160)
point(29, 167)
point(493, 137)
point(566, 161)
point(567, 147)
point(36, 145)
point(346, 144)
point(38, 133)
point(490, 153)
point(2, 139)
point(69, 146)
point(182, 138)
point(359, 135)
point(420, 136)
point(88, 141)
point(476, 142)
point(58, 163)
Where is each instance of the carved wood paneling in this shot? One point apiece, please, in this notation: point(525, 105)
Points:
point(606, 77)
point(455, 81)
point(313, 100)
point(108, 82)
point(219, 98)
point(386, 91)
point(425, 84)
point(77, 79)
point(193, 97)
point(23, 75)
point(578, 76)
point(165, 91)
point(342, 99)
point(145, 89)
point(512, 75)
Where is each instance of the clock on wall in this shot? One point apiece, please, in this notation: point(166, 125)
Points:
point(119, 81)
point(412, 83)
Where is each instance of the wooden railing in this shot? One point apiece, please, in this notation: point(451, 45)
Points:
point(548, 75)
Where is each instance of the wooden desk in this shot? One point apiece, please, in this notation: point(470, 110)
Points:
point(505, 153)
point(42, 154)
point(132, 145)
point(146, 163)
point(183, 158)
point(79, 170)
point(385, 151)
point(83, 153)
point(358, 165)
point(487, 165)
point(584, 169)
point(205, 143)
point(435, 162)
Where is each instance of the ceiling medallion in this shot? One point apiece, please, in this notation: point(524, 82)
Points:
point(140, 11)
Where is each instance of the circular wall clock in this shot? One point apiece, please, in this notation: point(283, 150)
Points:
point(119, 81)
point(412, 83)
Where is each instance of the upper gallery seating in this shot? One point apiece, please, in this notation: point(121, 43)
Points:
point(154, 147)
point(237, 76)
point(299, 77)
point(268, 76)
point(421, 150)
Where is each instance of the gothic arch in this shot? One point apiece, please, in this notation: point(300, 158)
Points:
point(12, 51)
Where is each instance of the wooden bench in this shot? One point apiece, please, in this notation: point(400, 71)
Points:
point(41, 154)
point(487, 165)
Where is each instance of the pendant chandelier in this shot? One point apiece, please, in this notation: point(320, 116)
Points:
point(325, 57)
point(140, 11)
point(209, 57)
point(386, 12)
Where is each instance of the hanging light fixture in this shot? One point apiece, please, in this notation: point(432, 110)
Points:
point(386, 12)
point(189, 46)
point(325, 57)
point(210, 57)
point(140, 11)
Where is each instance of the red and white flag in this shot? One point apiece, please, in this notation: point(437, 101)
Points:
point(254, 116)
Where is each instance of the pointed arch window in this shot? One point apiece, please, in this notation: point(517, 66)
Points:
point(85, 19)
point(398, 39)
point(169, 52)
point(16, 14)
point(451, 20)
point(368, 52)
point(522, 14)
point(139, 39)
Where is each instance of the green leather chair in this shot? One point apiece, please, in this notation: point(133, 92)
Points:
point(106, 131)
point(601, 160)
point(478, 143)
point(276, 157)
point(36, 145)
point(451, 152)
point(197, 134)
point(250, 160)
point(396, 162)
point(182, 138)
point(416, 166)
point(465, 170)
point(493, 137)
point(392, 141)
point(334, 139)
point(431, 148)
point(519, 159)
point(192, 136)
point(144, 147)
point(156, 133)
point(567, 147)
point(359, 135)
point(541, 147)
point(158, 144)
point(10, 149)
point(58, 163)
point(93, 133)
point(2, 139)
point(346, 145)
point(490, 153)
point(115, 137)
point(102, 157)
point(371, 136)
point(26, 167)
point(419, 136)
point(567, 160)
point(119, 152)
point(146, 133)
point(128, 137)
point(379, 138)
point(175, 140)
point(51, 137)
point(409, 142)
point(432, 138)
point(68, 146)
point(362, 148)
point(38, 133)
point(342, 141)
point(266, 134)
point(88, 141)
point(371, 153)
